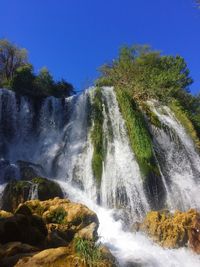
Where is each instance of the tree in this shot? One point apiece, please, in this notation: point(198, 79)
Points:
point(11, 58)
point(63, 89)
point(146, 74)
point(23, 80)
point(44, 83)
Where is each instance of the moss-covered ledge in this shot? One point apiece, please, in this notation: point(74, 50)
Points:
point(97, 134)
point(142, 146)
point(183, 117)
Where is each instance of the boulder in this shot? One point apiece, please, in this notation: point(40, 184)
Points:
point(66, 218)
point(17, 192)
point(53, 232)
point(194, 235)
point(11, 252)
point(66, 257)
point(173, 230)
point(57, 257)
point(27, 229)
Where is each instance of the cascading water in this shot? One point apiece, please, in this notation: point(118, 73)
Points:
point(55, 133)
point(180, 163)
point(131, 249)
point(122, 183)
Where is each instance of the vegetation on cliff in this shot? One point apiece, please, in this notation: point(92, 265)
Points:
point(139, 135)
point(97, 134)
point(145, 74)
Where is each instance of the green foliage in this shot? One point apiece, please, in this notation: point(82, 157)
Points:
point(62, 89)
point(139, 135)
point(17, 73)
point(23, 80)
point(184, 118)
point(44, 82)
point(146, 73)
point(11, 58)
point(89, 251)
point(97, 135)
point(57, 216)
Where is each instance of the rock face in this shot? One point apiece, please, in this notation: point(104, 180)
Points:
point(29, 229)
point(17, 192)
point(65, 219)
point(174, 230)
point(54, 232)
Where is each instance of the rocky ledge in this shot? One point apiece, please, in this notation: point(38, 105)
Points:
point(55, 232)
point(173, 230)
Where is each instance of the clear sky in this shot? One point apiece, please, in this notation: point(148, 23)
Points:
point(74, 37)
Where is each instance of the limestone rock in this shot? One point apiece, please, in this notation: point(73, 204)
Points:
point(174, 230)
point(26, 229)
point(17, 192)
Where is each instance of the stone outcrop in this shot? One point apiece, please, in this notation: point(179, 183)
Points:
point(19, 191)
point(174, 230)
point(55, 232)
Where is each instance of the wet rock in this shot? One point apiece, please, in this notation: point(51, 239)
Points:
point(17, 192)
point(11, 252)
point(65, 217)
point(89, 232)
point(26, 229)
point(51, 227)
point(194, 235)
point(173, 230)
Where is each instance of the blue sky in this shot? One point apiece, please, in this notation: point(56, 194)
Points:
point(74, 37)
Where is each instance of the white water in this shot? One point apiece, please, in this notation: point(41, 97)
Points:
point(182, 162)
point(131, 247)
point(33, 191)
point(57, 136)
point(121, 180)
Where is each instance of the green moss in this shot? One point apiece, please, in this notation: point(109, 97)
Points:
point(57, 216)
point(89, 251)
point(140, 138)
point(151, 116)
point(97, 135)
point(47, 189)
point(36, 208)
point(183, 117)
point(170, 230)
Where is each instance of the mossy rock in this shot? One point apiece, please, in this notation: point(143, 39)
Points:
point(47, 189)
point(169, 230)
point(17, 192)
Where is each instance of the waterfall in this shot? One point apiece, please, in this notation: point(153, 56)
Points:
point(33, 191)
point(180, 163)
point(55, 136)
point(131, 249)
point(121, 181)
